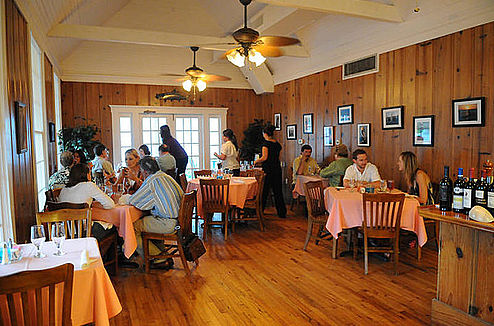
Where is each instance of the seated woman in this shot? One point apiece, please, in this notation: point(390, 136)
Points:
point(144, 150)
point(131, 176)
point(79, 157)
point(418, 182)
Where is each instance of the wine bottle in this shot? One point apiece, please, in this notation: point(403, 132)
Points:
point(458, 188)
point(445, 191)
point(481, 191)
point(490, 196)
point(468, 192)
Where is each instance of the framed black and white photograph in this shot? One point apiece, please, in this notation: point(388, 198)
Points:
point(51, 132)
point(363, 134)
point(423, 131)
point(308, 125)
point(21, 117)
point(345, 114)
point(392, 118)
point(469, 112)
point(328, 136)
point(277, 121)
point(291, 132)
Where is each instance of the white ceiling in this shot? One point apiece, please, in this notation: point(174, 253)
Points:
point(137, 41)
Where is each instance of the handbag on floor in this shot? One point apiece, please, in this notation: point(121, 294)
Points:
point(193, 247)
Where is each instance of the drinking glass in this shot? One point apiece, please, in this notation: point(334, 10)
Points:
point(352, 184)
point(391, 184)
point(109, 190)
point(58, 236)
point(383, 186)
point(120, 188)
point(252, 164)
point(37, 239)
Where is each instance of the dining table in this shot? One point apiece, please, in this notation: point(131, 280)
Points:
point(240, 189)
point(94, 299)
point(345, 210)
point(299, 189)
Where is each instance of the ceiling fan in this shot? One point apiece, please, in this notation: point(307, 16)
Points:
point(196, 78)
point(254, 47)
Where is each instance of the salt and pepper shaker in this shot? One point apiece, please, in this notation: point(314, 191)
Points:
point(5, 254)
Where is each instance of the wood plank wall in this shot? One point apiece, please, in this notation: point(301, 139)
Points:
point(424, 78)
point(18, 75)
point(88, 103)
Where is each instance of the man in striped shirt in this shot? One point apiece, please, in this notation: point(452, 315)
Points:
point(160, 194)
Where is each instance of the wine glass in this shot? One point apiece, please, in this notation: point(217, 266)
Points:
point(120, 188)
point(352, 184)
point(37, 239)
point(383, 186)
point(58, 236)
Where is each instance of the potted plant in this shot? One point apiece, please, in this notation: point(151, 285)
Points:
point(79, 138)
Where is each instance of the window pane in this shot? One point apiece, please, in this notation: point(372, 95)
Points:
point(146, 123)
point(156, 138)
point(213, 138)
point(125, 124)
point(195, 137)
point(195, 149)
point(187, 148)
point(122, 154)
point(213, 124)
point(180, 136)
point(187, 124)
point(125, 139)
point(40, 174)
point(195, 124)
point(146, 137)
point(195, 162)
point(179, 124)
point(154, 150)
point(162, 121)
point(154, 124)
point(38, 145)
point(187, 138)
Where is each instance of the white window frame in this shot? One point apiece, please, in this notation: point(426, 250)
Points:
point(174, 111)
point(58, 113)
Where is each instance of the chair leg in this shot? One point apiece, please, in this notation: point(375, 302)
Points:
point(396, 251)
point(115, 245)
point(335, 248)
point(182, 257)
point(354, 238)
point(226, 225)
point(366, 256)
point(260, 217)
point(309, 232)
point(234, 217)
point(145, 245)
point(419, 252)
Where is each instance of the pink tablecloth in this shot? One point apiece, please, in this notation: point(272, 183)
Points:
point(345, 211)
point(241, 189)
point(93, 297)
point(299, 189)
point(123, 217)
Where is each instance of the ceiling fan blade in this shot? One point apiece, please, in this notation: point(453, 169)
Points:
point(213, 44)
point(277, 40)
point(173, 75)
point(211, 78)
point(184, 78)
point(268, 51)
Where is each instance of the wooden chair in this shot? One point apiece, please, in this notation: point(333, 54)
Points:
point(248, 173)
point(293, 201)
point(20, 284)
point(381, 219)
point(172, 173)
point(202, 173)
point(317, 214)
point(215, 199)
point(183, 181)
point(183, 229)
point(254, 204)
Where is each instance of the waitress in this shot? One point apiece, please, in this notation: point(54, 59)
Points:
point(270, 160)
point(229, 152)
point(175, 149)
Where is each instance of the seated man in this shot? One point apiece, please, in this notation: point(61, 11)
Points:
point(337, 168)
point(101, 166)
point(166, 161)
point(60, 178)
point(160, 194)
point(361, 170)
point(304, 164)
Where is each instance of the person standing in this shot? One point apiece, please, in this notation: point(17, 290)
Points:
point(229, 152)
point(270, 160)
point(175, 149)
point(337, 168)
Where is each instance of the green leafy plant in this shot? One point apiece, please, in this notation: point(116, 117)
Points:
point(79, 138)
point(253, 139)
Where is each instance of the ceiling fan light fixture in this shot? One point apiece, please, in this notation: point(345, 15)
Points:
point(201, 85)
point(256, 57)
point(236, 58)
point(187, 85)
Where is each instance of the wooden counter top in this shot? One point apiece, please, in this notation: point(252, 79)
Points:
point(435, 213)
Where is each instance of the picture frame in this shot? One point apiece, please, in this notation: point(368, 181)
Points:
point(392, 117)
point(51, 132)
point(21, 117)
point(345, 114)
point(423, 131)
point(328, 135)
point(468, 112)
point(363, 134)
point(308, 125)
point(277, 121)
point(291, 132)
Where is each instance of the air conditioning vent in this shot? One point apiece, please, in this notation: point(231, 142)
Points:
point(360, 67)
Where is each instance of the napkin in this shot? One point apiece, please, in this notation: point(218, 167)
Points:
point(84, 258)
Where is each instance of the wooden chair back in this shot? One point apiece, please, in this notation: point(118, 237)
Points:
point(31, 283)
point(202, 173)
point(215, 195)
point(314, 195)
point(76, 218)
point(172, 173)
point(186, 212)
point(260, 177)
point(248, 173)
point(183, 181)
point(382, 214)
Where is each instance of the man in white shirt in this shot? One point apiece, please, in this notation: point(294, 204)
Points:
point(361, 170)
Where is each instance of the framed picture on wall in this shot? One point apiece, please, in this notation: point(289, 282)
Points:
point(392, 117)
point(469, 112)
point(423, 130)
point(51, 132)
point(277, 121)
point(21, 126)
point(308, 125)
point(291, 132)
point(345, 114)
point(328, 136)
point(363, 134)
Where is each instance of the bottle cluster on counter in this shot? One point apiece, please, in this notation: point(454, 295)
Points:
point(465, 193)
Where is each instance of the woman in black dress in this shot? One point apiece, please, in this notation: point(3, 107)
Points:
point(175, 149)
point(270, 160)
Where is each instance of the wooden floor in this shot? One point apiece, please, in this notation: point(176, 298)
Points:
point(265, 278)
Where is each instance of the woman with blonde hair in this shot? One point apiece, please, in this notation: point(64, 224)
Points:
point(131, 176)
point(418, 182)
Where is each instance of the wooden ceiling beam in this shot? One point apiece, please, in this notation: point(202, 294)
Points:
point(356, 8)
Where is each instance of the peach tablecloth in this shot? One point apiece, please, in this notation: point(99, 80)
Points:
point(123, 217)
point(345, 211)
point(241, 189)
point(94, 299)
point(299, 189)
